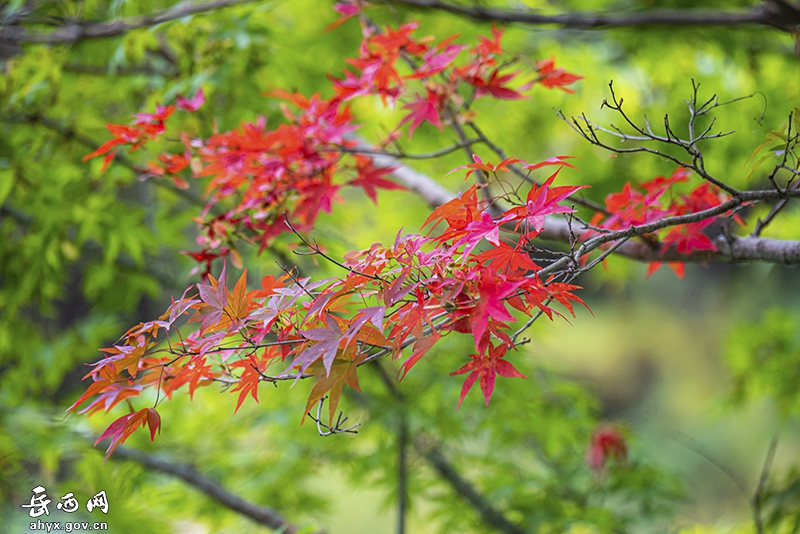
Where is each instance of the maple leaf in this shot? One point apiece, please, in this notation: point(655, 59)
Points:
point(460, 209)
point(486, 228)
point(348, 10)
point(494, 86)
point(555, 160)
point(434, 63)
point(421, 346)
point(543, 201)
point(162, 113)
point(372, 314)
point(551, 77)
point(371, 178)
point(103, 378)
point(248, 381)
point(487, 167)
point(111, 395)
point(121, 429)
point(193, 103)
point(486, 368)
point(493, 289)
point(240, 301)
point(215, 298)
point(607, 442)
point(326, 346)
point(505, 258)
point(676, 266)
point(343, 371)
point(423, 109)
point(491, 46)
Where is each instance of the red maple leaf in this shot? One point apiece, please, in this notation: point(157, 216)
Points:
point(486, 368)
point(423, 109)
point(551, 77)
point(193, 103)
point(495, 86)
point(607, 442)
point(493, 289)
point(371, 178)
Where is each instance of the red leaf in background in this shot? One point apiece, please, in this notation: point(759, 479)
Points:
point(193, 103)
point(555, 160)
point(494, 86)
point(676, 266)
point(487, 167)
point(607, 442)
point(491, 46)
point(486, 368)
point(371, 178)
point(551, 77)
point(434, 63)
point(347, 10)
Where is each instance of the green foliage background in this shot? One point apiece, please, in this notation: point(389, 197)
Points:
point(85, 255)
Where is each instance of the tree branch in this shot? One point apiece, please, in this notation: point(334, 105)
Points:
point(488, 513)
point(466, 490)
point(762, 482)
point(262, 515)
point(730, 249)
point(88, 30)
point(775, 13)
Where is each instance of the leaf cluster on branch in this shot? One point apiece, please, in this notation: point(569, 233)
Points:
point(481, 258)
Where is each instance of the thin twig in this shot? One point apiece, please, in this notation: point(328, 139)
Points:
point(762, 482)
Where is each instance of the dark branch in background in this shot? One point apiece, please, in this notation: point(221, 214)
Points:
point(762, 482)
point(402, 471)
point(79, 30)
point(778, 14)
point(463, 488)
point(467, 491)
point(699, 449)
point(263, 515)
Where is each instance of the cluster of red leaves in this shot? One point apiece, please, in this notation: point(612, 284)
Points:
point(255, 174)
point(642, 204)
point(397, 300)
point(607, 443)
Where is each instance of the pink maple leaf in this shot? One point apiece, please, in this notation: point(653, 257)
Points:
point(423, 109)
point(493, 289)
point(193, 103)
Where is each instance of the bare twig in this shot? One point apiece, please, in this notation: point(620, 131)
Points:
point(698, 448)
point(762, 482)
point(333, 428)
